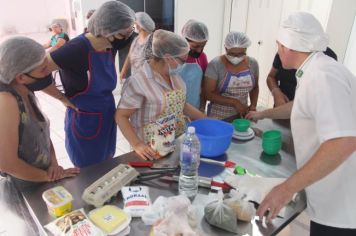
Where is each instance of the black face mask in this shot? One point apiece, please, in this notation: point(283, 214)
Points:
point(40, 83)
point(119, 44)
point(194, 54)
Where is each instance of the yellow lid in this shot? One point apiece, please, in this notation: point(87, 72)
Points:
point(57, 196)
point(108, 218)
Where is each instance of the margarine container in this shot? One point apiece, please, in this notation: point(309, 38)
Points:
point(58, 200)
point(111, 219)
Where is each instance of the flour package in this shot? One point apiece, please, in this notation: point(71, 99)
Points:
point(163, 139)
point(136, 200)
point(73, 224)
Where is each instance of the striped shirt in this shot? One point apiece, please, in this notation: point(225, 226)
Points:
point(145, 92)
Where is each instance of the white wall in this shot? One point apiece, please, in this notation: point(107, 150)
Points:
point(319, 8)
point(83, 7)
point(340, 25)
point(350, 56)
point(211, 12)
point(31, 16)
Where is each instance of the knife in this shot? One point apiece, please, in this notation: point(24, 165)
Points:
point(152, 165)
point(228, 164)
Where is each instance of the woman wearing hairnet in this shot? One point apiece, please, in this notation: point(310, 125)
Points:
point(323, 121)
point(154, 94)
point(197, 35)
point(27, 154)
point(231, 78)
point(141, 47)
point(88, 79)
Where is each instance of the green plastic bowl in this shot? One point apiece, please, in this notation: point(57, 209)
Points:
point(272, 135)
point(272, 142)
point(271, 149)
point(241, 125)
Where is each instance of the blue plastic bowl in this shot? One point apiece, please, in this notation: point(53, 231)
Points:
point(214, 136)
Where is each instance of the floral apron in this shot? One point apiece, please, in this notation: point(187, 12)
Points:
point(237, 83)
point(169, 124)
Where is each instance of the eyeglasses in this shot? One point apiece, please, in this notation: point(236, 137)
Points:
point(240, 54)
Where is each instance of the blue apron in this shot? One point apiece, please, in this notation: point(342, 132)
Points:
point(91, 132)
point(192, 75)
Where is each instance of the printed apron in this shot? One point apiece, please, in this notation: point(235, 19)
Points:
point(237, 83)
point(192, 75)
point(91, 132)
point(169, 124)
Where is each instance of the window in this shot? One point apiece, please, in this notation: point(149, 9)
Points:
point(161, 11)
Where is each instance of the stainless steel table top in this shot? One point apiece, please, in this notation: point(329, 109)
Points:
point(246, 153)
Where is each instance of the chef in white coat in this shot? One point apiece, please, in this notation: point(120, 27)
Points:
point(323, 121)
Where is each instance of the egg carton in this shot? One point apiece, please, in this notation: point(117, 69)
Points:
point(109, 185)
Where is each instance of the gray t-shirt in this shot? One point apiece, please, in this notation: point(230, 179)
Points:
point(216, 69)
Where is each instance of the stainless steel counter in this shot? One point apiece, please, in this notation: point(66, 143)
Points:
point(246, 153)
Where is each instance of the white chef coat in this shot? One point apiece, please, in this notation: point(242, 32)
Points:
point(325, 108)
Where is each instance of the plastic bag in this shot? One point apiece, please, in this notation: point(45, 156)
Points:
point(244, 210)
point(74, 223)
point(219, 214)
point(155, 212)
point(136, 200)
point(172, 216)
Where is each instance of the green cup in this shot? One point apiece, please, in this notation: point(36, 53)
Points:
point(241, 125)
point(272, 142)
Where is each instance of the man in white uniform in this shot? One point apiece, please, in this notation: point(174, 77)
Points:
point(323, 120)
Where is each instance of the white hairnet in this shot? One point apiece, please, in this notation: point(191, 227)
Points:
point(19, 55)
point(302, 32)
point(195, 31)
point(145, 22)
point(166, 42)
point(111, 18)
point(237, 40)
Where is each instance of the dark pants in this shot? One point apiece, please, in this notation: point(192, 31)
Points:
point(323, 230)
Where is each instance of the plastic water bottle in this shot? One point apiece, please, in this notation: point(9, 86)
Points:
point(189, 163)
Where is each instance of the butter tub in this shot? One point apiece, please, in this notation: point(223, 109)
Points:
point(58, 201)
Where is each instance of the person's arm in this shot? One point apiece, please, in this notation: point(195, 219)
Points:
point(254, 96)
point(52, 90)
point(211, 93)
point(125, 68)
point(192, 112)
point(47, 45)
point(331, 154)
point(277, 113)
point(54, 171)
point(122, 118)
point(60, 43)
point(278, 96)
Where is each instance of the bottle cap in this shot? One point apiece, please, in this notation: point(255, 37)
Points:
point(191, 130)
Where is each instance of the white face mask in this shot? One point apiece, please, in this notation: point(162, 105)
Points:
point(234, 60)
